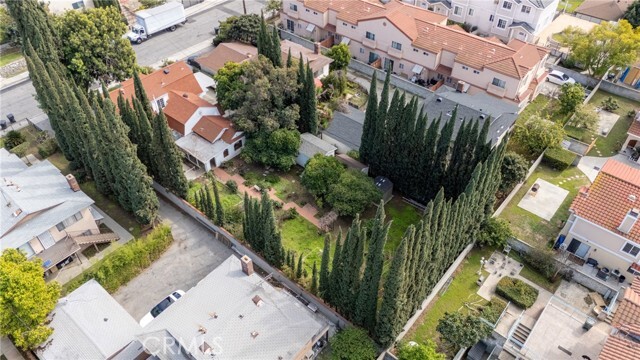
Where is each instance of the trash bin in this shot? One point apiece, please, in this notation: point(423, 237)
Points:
point(12, 119)
point(588, 324)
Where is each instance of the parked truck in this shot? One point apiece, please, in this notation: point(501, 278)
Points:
point(163, 17)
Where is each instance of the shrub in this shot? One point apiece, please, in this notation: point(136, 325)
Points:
point(232, 185)
point(272, 178)
point(354, 154)
point(492, 311)
point(126, 262)
point(514, 170)
point(290, 214)
point(541, 261)
point(571, 95)
point(537, 133)
point(610, 104)
point(13, 139)
point(352, 344)
point(517, 291)
point(233, 215)
point(48, 148)
point(352, 193)
point(494, 232)
point(558, 158)
point(21, 149)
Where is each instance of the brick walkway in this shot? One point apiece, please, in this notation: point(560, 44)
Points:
point(308, 211)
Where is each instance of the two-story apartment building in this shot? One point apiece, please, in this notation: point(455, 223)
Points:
point(506, 19)
point(602, 228)
point(417, 44)
point(44, 213)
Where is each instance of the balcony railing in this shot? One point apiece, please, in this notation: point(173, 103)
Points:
point(496, 90)
point(394, 52)
point(369, 43)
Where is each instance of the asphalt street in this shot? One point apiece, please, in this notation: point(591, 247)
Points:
point(20, 99)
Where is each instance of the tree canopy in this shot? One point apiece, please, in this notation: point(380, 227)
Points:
point(494, 232)
point(278, 148)
point(571, 95)
point(537, 133)
point(320, 173)
point(341, 56)
point(414, 351)
point(460, 330)
point(352, 193)
point(94, 47)
point(352, 344)
point(632, 15)
point(514, 170)
point(242, 28)
point(25, 299)
point(607, 44)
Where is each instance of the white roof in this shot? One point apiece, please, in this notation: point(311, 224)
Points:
point(345, 40)
point(311, 145)
point(222, 311)
point(200, 148)
point(204, 80)
point(310, 27)
point(417, 69)
point(88, 324)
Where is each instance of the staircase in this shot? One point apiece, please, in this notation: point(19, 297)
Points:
point(521, 334)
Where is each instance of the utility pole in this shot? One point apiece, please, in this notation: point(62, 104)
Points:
point(244, 6)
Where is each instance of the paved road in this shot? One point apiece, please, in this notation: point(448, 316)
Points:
point(20, 100)
point(194, 254)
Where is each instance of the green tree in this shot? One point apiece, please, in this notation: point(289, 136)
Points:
point(25, 299)
point(141, 95)
point(332, 290)
point(299, 267)
point(13, 139)
point(33, 23)
point(571, 95)
point(369, 128)
point(334, 85)
point(227, 83)
point(341, 56)
point(514, 170)
point(324, 268)
point(8, 30)
point(414, 351)
point(219, 209)
point(168, 159)
point(314, 279)
point(537, 133)
point(105, 3)
point(243, 28)
point(494, 232)
point(94, 47)
point(606, 45)
point(632, 15)
point(278, 149)
point(352, 344)
point(461, 331)
point(586, 117)
point(320, 173)
point(353, 192)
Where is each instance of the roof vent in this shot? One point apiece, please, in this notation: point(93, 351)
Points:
point(258, 301)
point(439, 99)
point(166, 71)
point(202, 329)
point(632, 198)
point(240, 316)
point(17, 212)
point(483, 116)
point(185, 95)
point(213, 315)
point(254, 334)
point(205, 348)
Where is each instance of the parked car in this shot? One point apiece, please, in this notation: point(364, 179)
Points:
point(559, 78)
point(162, 305)
point(192, 60)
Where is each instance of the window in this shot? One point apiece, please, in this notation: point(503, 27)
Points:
point(27, 250)
point(77, 216)
point(315, 13)
point(78, 5)
point(631, 249)
point(293, 7)
point(160, 103)
point(507, 5)
point(291, 26)
point(353, 26)
point(416, 50)
point(401, 66)
point(471, 12)
point(499, 83)
point(371, 36)
point(525, 9)
point(457, 10)
point(396, 45)
point(225, 153)
point(476, 72)
point(237, 145)
point(465, 67)
point(344, 24)
point(502, 23)
point(491, 18)
point(361, 50)
point(307, 10)
point(60, 226)
point(425, 53)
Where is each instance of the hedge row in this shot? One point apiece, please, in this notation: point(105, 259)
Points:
point(558, 158)
point(517, 291)
point(125, 262)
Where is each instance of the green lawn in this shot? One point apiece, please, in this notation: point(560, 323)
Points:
point(9, 56)
point(228, 199)
point(610, 145)
point(531, 228)
point(529, 273)
point(302, 237)
point(571, 5)
point(462, 290)
point(402, 215)
point(580, 134)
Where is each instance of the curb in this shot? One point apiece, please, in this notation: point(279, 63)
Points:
point(13, 83)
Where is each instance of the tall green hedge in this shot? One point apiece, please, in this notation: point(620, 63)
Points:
point(558, 158)
point(517, 291)
point(126, 262)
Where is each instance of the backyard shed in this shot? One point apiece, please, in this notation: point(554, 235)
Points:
point(385, 186)
point(311, 145)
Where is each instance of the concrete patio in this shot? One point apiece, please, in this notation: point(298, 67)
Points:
point(606, 122)
point(545, 201)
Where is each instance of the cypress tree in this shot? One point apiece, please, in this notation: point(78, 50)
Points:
point(208, 203)
point(272, 242)
point(394, 298)
point(299, 267)
point(443, 149)
point(380, 119)
point(365, 311)
point(369, 127)
point(289, 59)
point(389, 154)
point(324, 267)
point(276, 52)
point(141, 95)
point(459, 152)
point(247, 223)
point(36, 27)
point(353, 250)
point(332, 295)
point(263, 41)
point(314, 280)
point(483, 145)
point(428, 161)
point(219, 209)
point(168, 161)
point(311, 106)
point(145, 148)
point(196, 200)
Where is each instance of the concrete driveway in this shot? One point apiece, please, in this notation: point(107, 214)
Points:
point(549, 89)
point(194, 254)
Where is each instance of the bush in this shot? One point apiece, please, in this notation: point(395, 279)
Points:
point(514, 170)
point(353, 192)
point(354, 154)
point(585, 116)
point(542, 261)
point(492, 311)
point(290, 214)
point(232, 185)
point(352, 344)
point(537, 133)
point(20, 150)
point(494, 232)
point(13, 139)
point(558, 158)
point(571, 95)
point(233, 215)
point(610, 104)
point(517, 291)
point(272, 178)
point(48, 148)
point(126, 262)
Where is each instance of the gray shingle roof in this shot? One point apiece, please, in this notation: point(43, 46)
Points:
point(40, 190)
point(222, 306)
point(347, 128)
point(311, 145)
point(88, 324)
point(524, 25)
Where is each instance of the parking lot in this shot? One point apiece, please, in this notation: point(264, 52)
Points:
point(194, 253)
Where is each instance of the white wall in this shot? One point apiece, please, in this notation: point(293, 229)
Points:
point(60, 6)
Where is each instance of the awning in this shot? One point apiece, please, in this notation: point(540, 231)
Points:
point(345, 40)
point(417, 69)
point(310, 27)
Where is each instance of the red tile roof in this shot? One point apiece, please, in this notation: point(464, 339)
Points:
point(634, 129)
point(236, 52)
point(627, 315)
point(617, 348)
point(608, 200)
point(182, 105)
point(211, 127)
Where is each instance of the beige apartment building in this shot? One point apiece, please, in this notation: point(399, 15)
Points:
point(417, 44)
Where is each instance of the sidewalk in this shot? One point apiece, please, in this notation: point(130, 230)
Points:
point(9, 350)
point(9, 82)
point(203, 6)
point(184, 53)
point(308, 211)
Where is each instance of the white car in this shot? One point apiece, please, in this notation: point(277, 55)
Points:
point(559, 78)
point(162, 305)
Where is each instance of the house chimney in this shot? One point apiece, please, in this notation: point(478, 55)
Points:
point(629, 220)
point(73, 183)
point(316, 48)
point(247, 265)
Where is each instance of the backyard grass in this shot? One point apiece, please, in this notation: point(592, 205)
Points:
point(571, 5)
point(610, 145)
point(9, 56)
point(227, 198)
point(301, 236)
point(462, 290)
point(356, 95)
point(529, 273)
point(402, 215)
point(529, 227)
